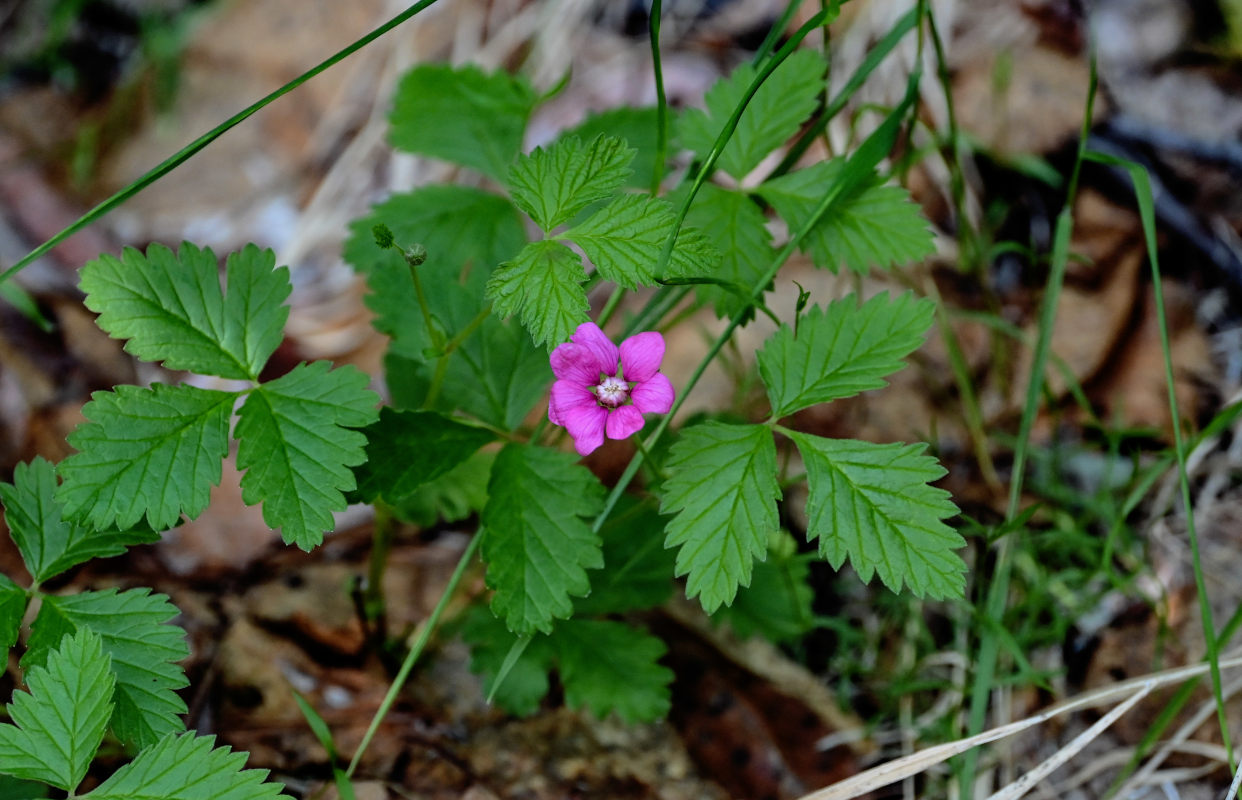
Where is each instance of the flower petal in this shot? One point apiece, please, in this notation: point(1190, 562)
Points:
point(654, 396)
point(593, 340)
point(641, 355)
point(575, 364)
point(586, 425)
point(566, 397)
point(624, 421)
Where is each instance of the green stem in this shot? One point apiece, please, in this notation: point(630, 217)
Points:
point(424, 635)
point(181, 156)
point(611, 306)
point(661, 154)
point(437, 378)
point(381, 546)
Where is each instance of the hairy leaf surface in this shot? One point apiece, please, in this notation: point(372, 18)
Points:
point(723, 530)
point(554, 183)
point(186, 767)
point(543, 286)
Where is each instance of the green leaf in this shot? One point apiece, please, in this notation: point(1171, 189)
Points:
point(59, 724)
point(186, 767)
point(609, 666)
point(624, 241)
point(734, 224)
point(875, 224)
point(464, 230)
point(453, 496)
point(13, 602)
point(297, 447)
point(723, 486)
point(872, 503)
point(841, 350)
point(777, 604)
point(553, 184)
point(543, 285)
point(144, 650)
point(49, 545)
point(13, 789)
point(773, 115)
point(145, 452)
point(637, 569)
point(537, 545)
point(490, 642)
point(637, 126)
point(171, 307)
point(462, 115)
point(407, 449)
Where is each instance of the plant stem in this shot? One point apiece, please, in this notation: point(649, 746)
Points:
point(381, 546)
point(661, 154)
point(424, 635)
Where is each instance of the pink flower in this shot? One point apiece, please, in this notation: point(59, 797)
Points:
point(593, 397)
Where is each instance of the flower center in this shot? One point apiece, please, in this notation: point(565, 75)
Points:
point(612, 392)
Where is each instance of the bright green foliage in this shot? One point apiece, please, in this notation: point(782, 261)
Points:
point(453, 496)
point(464, 230)
point(171, 307)
point(723, 487)
point(537, 545)
point(553, 184)
point(876, 224)
point(145, 452)
point(605, 666)
point(841, 350)
point(50, 545)
point(462, 115)
point(609, 666)
point(59, 724)
point(496, 374)
point(777, 604)
point(637, 126)
point(526, 683)
point(297, 447)
point(185, 767)
point(407, 449)
point(773, 115)
point(144, 650)
point(543, 286)
point(13, 600)
point(624, 241)
point(734, 224)
point(637, 569)
point(872, 503)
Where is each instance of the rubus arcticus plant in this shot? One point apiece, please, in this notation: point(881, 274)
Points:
point(485, 325)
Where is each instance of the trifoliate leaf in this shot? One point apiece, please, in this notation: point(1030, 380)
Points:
point(637, 569)
point(875, 224)
point(773, 115)
point(872, 503)
point(186, 767)
point(49, 545)
point(537, 544)
point(58, 725)
point(297, 447)
point(734, 224)
point(453, 496)
point(463, 229)
point(841, 350)
point(724, 490)
point(13, 600)
point(463, 115)
point(407, 449)
point(637, 126)
point(624, 241)
point(611, 667)
point(144, 650)
point(145, 452)
point(553, 184)
point(526, 684)
point(171, 307)
point(543, 285)
point(777, 604)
